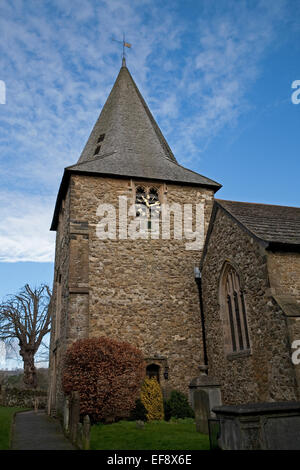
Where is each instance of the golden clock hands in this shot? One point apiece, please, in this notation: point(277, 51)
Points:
point(146, 202)
point(154, 203)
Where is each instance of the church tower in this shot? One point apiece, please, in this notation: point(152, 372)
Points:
point(130, 277)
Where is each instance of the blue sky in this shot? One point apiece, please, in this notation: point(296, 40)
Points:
point(216, 74)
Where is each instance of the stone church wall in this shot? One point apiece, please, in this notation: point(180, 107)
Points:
point(58, 341)
point(143, 291)
point(266, 374)
point(284, 272)
point(140, 291)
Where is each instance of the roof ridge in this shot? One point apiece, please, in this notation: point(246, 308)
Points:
point(256, 203)
point(195, 173)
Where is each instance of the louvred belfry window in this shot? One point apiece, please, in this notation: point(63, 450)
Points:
point(236, 312)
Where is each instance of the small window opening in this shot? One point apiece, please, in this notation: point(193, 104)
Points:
point(97, 150)
point(101, 138)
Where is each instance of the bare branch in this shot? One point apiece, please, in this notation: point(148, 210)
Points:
point(26, 318)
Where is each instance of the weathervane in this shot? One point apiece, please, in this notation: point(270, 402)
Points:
point(124, 44)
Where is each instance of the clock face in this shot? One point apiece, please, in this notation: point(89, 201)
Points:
point(147, 202)
point(153, 202)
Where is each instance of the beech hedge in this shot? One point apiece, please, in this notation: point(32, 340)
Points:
point(108, 375)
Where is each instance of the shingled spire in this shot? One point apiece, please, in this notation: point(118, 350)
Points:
point(126, 126)
point(126, 141)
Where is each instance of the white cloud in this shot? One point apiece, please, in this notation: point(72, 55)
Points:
point(59, 62)
point(218, 75)
point(24, 230)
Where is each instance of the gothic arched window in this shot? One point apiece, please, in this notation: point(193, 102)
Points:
point(140, 201)
point(234, 312)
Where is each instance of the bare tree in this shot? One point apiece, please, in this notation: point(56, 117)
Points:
point(26, 317)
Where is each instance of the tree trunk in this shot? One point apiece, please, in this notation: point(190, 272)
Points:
point(30, 379)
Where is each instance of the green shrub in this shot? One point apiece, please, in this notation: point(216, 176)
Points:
point(167, 410)
point(139, 412)
point(178, 406)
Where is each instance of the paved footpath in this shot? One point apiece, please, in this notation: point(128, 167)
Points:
point(37, 431)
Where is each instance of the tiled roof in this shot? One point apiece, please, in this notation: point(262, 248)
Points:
point(270, 223)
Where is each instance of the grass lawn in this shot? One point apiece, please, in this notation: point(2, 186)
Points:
point(6, 419)
point(156, 435)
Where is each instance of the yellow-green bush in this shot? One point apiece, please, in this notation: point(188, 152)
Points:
point(152, 399)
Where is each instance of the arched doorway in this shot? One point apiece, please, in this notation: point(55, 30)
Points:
point(152, 370)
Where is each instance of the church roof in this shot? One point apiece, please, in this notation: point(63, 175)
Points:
point(126, 141)
point(270, 223)
point(274, 227)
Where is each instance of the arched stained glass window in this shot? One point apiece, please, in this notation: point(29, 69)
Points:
point(236, 324)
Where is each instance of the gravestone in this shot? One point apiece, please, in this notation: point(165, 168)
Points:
point(86, 430)
point(67, 415)
point(202, 411)
point(74, 415)
point(205, 394)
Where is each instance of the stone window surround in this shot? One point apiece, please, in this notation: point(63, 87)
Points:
point(161, 362)
point(230, 354)
point(147, 185)
point(160, 188)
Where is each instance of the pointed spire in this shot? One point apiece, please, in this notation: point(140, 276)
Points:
point(126, 140)
point(126, 126)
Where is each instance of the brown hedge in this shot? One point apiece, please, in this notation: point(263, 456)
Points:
point(108, 375)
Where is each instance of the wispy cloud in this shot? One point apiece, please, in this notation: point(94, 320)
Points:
point(219, 72)
point(59, 62)
point(24, 233)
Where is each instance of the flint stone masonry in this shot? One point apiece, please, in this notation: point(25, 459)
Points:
point(266, 373)
point(139, 291)
point(11, 396)
point(284, 273)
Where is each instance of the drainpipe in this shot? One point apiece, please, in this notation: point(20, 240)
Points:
point(199, 284)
